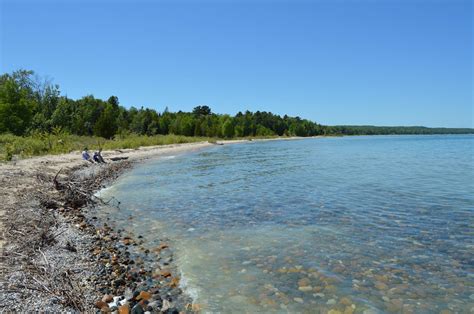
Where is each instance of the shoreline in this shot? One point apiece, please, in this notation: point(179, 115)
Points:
point(31, 204)
point(72, 236)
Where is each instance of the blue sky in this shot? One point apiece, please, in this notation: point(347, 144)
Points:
point(335, 62)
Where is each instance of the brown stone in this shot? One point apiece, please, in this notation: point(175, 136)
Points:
point(105, 309)
point(304, 282)
point(107, 298)
point(381, 278)
point(348, 310)
point(380, 285)
point(127, 241)
point(165, 273)
point(124, 309)
point(174, 282)
point(317, 289)
point(144, 295)
point(345, 301)
point(163, 246)
point(100, 304)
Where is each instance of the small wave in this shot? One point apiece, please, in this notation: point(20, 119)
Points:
point(184, 285)
point(104, 190)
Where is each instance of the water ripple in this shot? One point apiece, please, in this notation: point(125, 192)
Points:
point(382, 223)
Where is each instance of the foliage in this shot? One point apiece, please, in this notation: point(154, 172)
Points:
point(28, 106)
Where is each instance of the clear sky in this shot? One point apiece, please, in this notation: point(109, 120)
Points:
point(405, 62)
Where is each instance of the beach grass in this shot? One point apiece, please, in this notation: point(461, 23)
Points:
point(45, 144)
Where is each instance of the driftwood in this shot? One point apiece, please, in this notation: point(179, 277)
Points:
point(118, 158)
point(32, 230)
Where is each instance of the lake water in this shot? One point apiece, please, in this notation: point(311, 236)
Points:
point(352, 224)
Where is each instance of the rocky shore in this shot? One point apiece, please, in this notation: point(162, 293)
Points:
point(58, 256)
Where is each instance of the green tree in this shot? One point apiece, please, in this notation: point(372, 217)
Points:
point(228, 128)
point(16, 105)
point(64, 114)
point(263, 131)
point(106, 125)
point(202, 110)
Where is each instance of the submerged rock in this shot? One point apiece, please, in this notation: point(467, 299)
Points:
point(380, 286)
point(298, 300)
point(304, 282)
point(305, 288)
point(331, 302)
point(345, 301)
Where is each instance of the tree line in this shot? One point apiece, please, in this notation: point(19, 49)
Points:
point(29, 104)
point(393, 130)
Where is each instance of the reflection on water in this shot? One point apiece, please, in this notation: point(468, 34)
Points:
point(348, 225)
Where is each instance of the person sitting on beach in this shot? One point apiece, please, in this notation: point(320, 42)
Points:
point(98, 157)
point(86, 156)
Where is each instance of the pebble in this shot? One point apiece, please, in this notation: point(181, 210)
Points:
point(305, 288)
point(100, 304)
point(144, 295)
point(345, 301)
point(137, 309)
point(348, 310)
point(124, 309)
point(165, 273)
point(304, 282)
point(380, 285)
point(166, 305)
point(330, 289)
point(107, 298)
point(298, 300)
point(331, 302)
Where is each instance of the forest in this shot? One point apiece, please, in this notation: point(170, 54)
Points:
point(30, 105)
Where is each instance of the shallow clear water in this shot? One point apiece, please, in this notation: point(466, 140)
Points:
point(382, 223)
